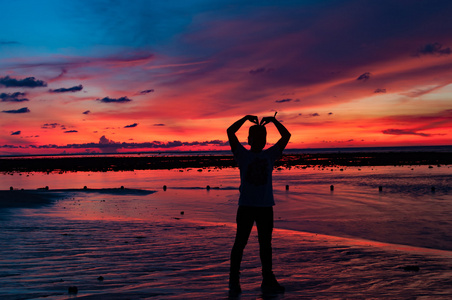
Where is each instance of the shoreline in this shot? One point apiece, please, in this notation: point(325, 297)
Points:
point(120, 163)
point(34, 198)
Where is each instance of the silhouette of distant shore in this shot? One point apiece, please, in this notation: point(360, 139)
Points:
point(124, 163)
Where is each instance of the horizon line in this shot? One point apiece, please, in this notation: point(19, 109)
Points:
point(308, 149)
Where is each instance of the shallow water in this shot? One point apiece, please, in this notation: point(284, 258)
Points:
point(179, 259)
point(406, 211)
point(352, 242)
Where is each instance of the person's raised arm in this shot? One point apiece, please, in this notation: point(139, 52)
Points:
point(285, 134)
point(233, 140)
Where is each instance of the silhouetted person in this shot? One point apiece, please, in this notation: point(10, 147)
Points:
point(256, 197)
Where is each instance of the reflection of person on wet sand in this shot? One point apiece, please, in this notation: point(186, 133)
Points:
point(256, 197)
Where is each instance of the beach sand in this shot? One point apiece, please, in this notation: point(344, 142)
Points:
point(138, 243)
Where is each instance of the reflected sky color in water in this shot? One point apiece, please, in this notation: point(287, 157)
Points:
point(106, 76)
point(143, 246)
point(406, 211)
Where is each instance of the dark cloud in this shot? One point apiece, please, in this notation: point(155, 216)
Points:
point(29, 82)
point(338, 141)
point(51, 125)
point(160, 124)
point(364, 77)
point(146, 92)
point(433, 49)
point(107, 145)
point(404, 132)
point(13, 97)
point(131, 125)
point(314, 115)
point(17, 111)
point(15, 132)
point(330, 113)
point(8, 43)
point(260, 71)
point(104, 141)
point(113, 100)
point(86, 112)
point(57, 125)
point(66, 90)
point(283, 100)
point(377, 91)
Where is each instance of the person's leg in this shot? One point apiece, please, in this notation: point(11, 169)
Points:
point(264, 224)
point(245, 223)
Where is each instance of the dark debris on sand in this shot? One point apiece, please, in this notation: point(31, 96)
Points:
point(124, 163)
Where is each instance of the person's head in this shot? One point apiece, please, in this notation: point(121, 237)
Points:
point(257, 137)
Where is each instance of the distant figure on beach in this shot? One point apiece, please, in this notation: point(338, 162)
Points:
point(256, 197)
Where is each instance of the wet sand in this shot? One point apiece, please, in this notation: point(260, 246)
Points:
point(116, 244)
point(144, 242)
point(183, 260)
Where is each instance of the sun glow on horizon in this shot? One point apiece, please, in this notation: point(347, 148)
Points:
point(179, 81)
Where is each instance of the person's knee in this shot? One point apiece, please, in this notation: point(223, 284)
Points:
point(239, 246)
point(265, 239)
point(265, 246)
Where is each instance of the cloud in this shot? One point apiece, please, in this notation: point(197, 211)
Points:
point(330, 113)
point(66, 90)
point(13, 97)
point(17, 111)
point(60, 76)
point(15, 132)
point(104, 141)
point(404, 132)
point(57, 125)
point(441, 120)
point(29, 82)
point(131, 125)
point(283, 100)
point(260, 71)
point(378, 90)
point(160, 124)
point(313, 115)
point(146, 92)
point(8, 43)
point(107, 145)
point(51, 125)
point(423, 91)
point(364, 77)
point(86, 112)
point(113, 100)
point(433, 49)
point(338, 141)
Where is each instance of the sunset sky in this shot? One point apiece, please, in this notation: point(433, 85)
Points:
point(100, 76)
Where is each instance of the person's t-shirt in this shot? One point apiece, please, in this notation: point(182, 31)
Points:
point(256, 175)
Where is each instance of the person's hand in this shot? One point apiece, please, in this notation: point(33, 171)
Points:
point(266, 120)
point(252, 119)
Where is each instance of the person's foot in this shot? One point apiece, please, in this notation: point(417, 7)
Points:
point(234, 286)
point(271, 286)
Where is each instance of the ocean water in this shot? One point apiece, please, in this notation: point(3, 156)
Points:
point(352, 241)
